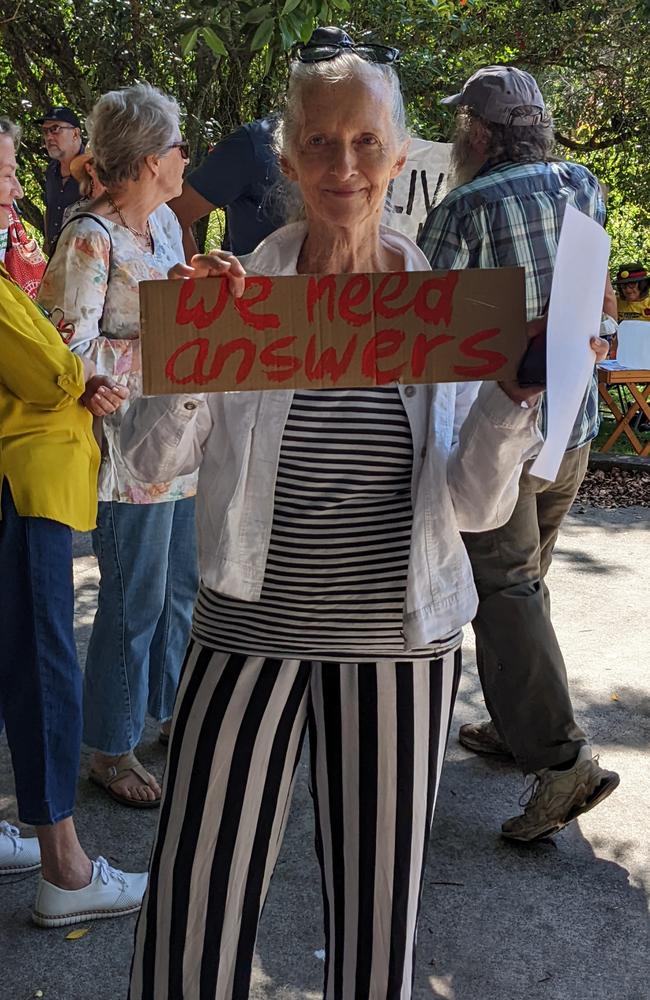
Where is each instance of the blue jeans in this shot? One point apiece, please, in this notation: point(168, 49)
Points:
point(148, 582)
point(40, 679)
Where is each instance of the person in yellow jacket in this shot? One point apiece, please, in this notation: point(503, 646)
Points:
point(48, 485)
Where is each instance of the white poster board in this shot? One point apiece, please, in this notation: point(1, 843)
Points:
point(420, 185)
point(574, 313)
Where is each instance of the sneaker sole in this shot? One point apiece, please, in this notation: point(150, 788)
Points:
point(20, 870)
point(605, 788)
point(42, 920)
point(484, 749)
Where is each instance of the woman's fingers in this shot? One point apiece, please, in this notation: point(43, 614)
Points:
point(236, 284)
point(600, 348)
point(103, 396)
point(219, 262)
point(181, 271)
point(211, 265)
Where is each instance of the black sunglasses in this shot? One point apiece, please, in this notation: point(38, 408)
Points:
point(319, 53)
point(183, 148)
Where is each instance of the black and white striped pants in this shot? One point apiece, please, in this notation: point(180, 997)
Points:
point(377, 735)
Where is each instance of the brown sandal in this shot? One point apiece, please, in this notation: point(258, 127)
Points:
point(123, 764)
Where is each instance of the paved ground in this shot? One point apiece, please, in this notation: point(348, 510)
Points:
point(565, 920)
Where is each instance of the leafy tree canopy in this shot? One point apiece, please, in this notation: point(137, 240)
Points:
point(226, 62)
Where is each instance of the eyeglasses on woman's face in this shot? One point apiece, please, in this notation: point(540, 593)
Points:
point(183, 148)
point(307, 53)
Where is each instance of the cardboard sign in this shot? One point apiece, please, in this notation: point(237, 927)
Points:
point(419, 186)
point(346, 330)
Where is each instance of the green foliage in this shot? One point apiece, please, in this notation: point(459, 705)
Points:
point(223, 61)
point(226, 62)
point(629, 227)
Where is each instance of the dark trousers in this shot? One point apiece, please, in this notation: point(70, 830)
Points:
point(40, 679)
point(520, 663)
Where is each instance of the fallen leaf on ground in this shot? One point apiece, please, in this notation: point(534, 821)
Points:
point(76, 934)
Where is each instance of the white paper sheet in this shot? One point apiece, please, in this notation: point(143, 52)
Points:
point(419, 186)
point(574, 313)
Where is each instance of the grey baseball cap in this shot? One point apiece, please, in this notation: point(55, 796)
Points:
point(494, 92)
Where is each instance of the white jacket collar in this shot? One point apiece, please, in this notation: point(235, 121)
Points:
point(278, 253)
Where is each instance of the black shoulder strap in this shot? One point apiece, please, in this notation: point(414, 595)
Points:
point(100, 222)
point(95, 218)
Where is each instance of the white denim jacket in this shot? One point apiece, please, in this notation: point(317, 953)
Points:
point(469, 443)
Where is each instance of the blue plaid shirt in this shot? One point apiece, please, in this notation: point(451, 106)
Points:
point(510, 215)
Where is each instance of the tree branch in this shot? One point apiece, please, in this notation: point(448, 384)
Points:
point(594, 144)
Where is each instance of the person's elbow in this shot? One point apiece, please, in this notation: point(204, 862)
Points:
point(190, 206)
point(51, 387)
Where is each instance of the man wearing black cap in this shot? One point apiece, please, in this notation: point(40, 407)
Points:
point(61, 130)
point(506, 211)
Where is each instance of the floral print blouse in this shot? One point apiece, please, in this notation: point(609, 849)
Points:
point(98, 314)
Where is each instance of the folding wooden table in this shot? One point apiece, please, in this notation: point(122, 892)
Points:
point(637, 382)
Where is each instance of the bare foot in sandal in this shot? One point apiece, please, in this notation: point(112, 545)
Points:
point(125, 780)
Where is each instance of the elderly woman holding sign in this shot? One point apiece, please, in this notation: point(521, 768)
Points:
point(334, 588)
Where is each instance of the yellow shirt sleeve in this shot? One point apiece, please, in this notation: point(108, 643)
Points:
point(35, 364)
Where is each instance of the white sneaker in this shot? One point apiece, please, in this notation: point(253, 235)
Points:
point(17, 854)
point(111, 893)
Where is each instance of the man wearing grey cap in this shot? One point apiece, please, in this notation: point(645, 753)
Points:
point(506, 210)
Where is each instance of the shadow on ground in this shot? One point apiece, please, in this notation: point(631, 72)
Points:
point(558, 920)
point(563, 920)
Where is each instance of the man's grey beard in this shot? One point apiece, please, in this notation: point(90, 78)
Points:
point(465, 163)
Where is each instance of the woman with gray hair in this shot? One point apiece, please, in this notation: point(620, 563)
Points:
point(145, 536)
point(334, 588)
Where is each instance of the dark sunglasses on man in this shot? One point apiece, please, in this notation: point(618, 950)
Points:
point(328, 43)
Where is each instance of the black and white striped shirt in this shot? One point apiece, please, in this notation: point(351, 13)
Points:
point(335, 578)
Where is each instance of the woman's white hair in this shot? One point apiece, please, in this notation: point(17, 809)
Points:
point(285, 195)
point(127, 125)
point(7, 127)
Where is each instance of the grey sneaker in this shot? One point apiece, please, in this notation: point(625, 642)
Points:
point(483, 737)
point(557, 797)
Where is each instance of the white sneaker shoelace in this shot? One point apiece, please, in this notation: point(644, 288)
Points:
point(14, 835)
point(108, 874)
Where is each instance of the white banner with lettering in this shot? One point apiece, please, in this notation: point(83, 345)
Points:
point(420, 185)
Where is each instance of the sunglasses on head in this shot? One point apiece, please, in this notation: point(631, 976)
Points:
point(306, 53)
point(183, 148)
